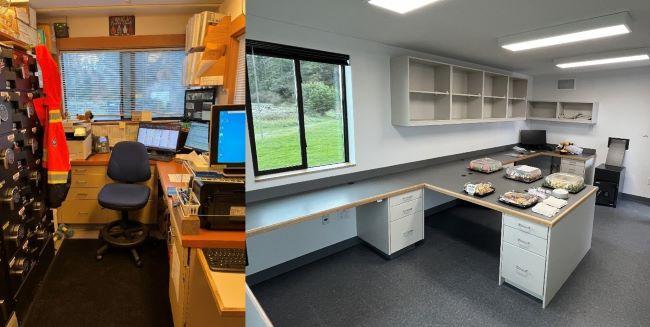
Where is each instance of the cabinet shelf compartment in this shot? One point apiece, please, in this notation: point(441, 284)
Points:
point(495, 85)
point(425, 107)
point(466, 81)
point(464, 107)
point(579, 112)
point(542, 109)
point(494, 108)
point(517, 88)
point(517, 108)
point(427, 76)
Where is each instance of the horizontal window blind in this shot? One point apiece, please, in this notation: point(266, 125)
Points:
point(113, 83)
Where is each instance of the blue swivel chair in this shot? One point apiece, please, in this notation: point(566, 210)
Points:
point(128, 166)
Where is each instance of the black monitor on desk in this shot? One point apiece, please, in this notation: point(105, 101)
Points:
point(228, 138)
point(159, 138)
point(198, 137)
point(533, 139)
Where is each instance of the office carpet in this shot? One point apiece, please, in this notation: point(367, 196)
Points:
point(81, 291)
point(452, 280)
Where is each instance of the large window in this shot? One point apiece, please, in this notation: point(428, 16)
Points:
point(113, 83)
point(297, 107)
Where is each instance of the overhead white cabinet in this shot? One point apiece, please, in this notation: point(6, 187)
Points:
point(426, 92)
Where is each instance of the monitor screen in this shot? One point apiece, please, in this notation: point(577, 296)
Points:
point(159, 137)
point(229, 133)
point(198, 138)
point(533, 137)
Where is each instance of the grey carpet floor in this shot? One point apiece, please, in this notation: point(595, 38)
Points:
point(452, 280)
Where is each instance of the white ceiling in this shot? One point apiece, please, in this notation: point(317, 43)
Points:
point(465, 29)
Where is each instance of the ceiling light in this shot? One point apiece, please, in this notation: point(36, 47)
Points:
point(401, 6)
point(595, 28)
point(616, 57)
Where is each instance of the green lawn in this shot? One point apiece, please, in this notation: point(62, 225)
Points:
point(278, 144)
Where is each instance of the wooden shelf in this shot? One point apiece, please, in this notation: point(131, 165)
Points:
point(429, 92)
point(6, 38)
point(557, 111)
point(466, 95)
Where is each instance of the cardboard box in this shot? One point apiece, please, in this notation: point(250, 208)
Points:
point(141, 115)
point(81, 149)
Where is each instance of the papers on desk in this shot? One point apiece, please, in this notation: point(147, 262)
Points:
point(179, 178)
point(549, 207)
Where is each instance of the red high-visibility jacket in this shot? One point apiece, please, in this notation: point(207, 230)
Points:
point(56, 158)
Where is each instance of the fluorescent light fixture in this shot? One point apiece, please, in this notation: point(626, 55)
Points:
point(617, 57)
point(401, 6)
point(590, 29)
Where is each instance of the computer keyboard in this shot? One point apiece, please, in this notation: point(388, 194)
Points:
point(233, 180)
point(226, 259)
point(161, 157)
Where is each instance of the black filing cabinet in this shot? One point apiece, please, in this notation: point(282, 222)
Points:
point(609, 180)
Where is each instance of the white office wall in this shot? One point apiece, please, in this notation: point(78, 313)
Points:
point(376, 142)
point(281, 245)
point(624, 97)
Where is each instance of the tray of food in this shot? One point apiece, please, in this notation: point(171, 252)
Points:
point(523, 173)
point(480, 189)
point(570, 182)
point(519, 199)
point(485, 165)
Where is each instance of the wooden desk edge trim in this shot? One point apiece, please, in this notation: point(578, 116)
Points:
point(503, 209)
point(223, 310)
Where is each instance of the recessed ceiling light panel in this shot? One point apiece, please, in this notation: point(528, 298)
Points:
point(590, 29)
point(610, 58)
point(401, 6)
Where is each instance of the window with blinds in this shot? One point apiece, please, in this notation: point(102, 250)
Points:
point(113, 83)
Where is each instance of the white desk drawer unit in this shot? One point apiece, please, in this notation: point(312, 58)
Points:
point(526, 226)
point(406, 208)
point(523, 269)
point(391, 226)
point(524, 240)
point(409, 196)
point(406, 231)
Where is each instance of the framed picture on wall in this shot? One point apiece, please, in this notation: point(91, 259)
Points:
point(121, 25)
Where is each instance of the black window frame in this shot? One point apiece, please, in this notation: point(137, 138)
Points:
point(296, 54)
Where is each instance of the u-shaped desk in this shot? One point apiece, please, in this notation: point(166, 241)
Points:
point(538, 254)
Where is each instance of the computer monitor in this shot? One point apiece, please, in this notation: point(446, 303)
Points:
point(159, 137)
point(533, 138)
point(198, 138)
point(227, 141)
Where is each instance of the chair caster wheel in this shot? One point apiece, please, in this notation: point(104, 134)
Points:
point(99, 257)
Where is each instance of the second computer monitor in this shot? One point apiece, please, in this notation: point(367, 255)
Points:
point(227, 141)
point(159, 137)
point(198, 137)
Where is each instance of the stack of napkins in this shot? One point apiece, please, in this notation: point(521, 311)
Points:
point(555, 202)
point(549, 207)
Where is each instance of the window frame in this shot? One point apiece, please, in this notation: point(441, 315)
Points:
point(297, 54)
point(123, 116)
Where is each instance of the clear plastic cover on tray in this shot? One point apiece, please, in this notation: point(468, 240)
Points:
point(485, 165)
point(519, 199)
point(570, 182)
point(524, 173)
point(479, 189)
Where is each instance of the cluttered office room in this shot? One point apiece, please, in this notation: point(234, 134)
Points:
point(448, 163)
point(123, 149)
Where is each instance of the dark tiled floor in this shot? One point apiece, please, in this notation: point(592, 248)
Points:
point(451, 280)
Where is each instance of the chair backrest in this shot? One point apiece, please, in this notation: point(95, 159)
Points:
point(129, 163)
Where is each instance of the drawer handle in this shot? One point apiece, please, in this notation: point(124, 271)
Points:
point(407, 198)
point(83, 213)
point(523, 226)
point(407, 210)
point(523, 242)
point(407, 233)
point(521, 269)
